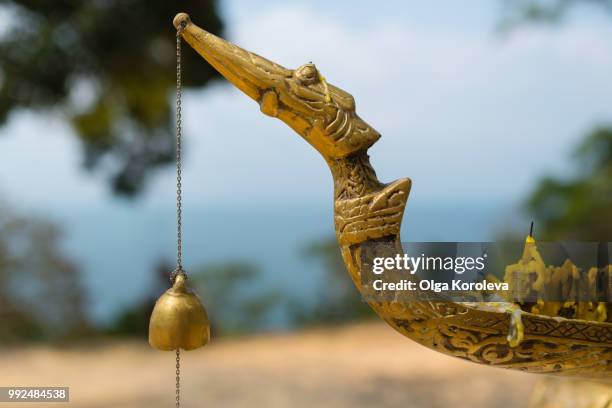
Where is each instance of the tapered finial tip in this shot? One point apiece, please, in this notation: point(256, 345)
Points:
point(181, 20)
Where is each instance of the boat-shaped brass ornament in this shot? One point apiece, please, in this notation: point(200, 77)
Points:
point(368, 212)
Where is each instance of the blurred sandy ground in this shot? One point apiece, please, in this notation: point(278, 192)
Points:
point(365, 365)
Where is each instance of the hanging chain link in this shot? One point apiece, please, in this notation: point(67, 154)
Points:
point(179, 134)
point(179, 212)
point(178, 378)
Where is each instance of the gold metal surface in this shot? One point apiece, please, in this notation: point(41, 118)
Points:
point(178, 321)
point(368, 211)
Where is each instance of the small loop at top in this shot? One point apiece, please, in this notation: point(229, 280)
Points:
point(180, 28)
point(178, 271)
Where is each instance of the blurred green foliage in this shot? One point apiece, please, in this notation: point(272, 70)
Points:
point(337, 300)
point(518, 12)
point(236, 303)
point(41, 296)
point(233, 307)
point(133, 320)
point(225, 292)
point(578, 208)
point(109, 67)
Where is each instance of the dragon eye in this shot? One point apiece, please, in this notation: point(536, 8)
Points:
point(306, 74)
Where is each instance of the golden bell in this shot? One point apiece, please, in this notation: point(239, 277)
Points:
point(179, 319)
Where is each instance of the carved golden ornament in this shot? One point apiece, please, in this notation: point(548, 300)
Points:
point(368, 212)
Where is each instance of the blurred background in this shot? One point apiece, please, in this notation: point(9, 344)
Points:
point(500, 113)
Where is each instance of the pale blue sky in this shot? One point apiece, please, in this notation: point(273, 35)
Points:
point(467, 114)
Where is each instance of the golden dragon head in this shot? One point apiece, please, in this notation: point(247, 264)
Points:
point(321, 113)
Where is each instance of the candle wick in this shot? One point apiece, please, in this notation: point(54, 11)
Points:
point(531, 230)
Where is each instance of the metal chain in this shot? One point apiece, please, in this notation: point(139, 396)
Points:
point(179, 214)
point(178, 378)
